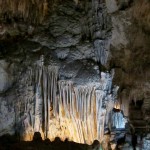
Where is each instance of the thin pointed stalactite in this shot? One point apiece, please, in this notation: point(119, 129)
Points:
point(48, 109)
point(99, 97)
point(45, 100)
point(46, 83)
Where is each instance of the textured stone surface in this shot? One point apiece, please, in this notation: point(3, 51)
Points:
point(119, 38)
point(111, 6)
point(7, 115)
point(146, 142)
point(130, 50)
point(6, 78)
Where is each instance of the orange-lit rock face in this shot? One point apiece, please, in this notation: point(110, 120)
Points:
point(117, 105)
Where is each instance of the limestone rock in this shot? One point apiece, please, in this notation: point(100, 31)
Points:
point(115, 5)
point(7, 118)
point(111, 6)
point(6, 79)
point(119, 37)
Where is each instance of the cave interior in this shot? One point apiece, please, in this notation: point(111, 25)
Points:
point(75, 74)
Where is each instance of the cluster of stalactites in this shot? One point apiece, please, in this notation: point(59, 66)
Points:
point(101, 42)
point(30, 10)
point(83, 105)
point(79, 108)
point(46, 88)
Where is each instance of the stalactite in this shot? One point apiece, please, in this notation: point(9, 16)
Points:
point(45, 100)
point(66, 98)
point(23, 9)
point(37, 111)
point(84, 97)
point(48, 99)
point(52, 77)
point(101, 51)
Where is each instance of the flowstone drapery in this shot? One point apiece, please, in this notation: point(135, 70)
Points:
point(63, 108)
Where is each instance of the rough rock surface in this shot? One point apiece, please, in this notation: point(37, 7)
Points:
point(6, 76)
point(146, 142)
point(130, 50)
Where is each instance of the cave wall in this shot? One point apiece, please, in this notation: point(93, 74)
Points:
point(130, 49)
point(58, 85)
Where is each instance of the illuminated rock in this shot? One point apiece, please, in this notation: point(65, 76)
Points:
point(73, 109)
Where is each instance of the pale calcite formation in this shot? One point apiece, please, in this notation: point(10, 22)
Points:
point(64, 108)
